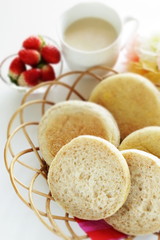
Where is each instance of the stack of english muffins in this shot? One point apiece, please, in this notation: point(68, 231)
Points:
point(103, 154)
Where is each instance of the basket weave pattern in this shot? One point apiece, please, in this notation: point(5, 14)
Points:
point(32, 188)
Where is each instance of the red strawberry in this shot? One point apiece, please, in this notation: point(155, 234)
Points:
point(16, 68)
point(30, 56)
point(50, 54)
point(47, 72)
point(33, 42)
point(30, 77)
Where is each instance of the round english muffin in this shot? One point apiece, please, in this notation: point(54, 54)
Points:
point(69, 119)
point(89, 178)
point(146, 139)
point(141, 212)
point(132, 99)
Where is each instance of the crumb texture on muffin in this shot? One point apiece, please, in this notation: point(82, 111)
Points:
point(69, 119)
point(141, 212)
point(89, 178)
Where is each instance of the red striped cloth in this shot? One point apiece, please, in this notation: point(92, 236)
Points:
point(100, 230)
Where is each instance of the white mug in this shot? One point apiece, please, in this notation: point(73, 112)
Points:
point(81, 59)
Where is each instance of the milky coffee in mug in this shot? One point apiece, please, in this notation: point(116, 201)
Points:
point(90, 33)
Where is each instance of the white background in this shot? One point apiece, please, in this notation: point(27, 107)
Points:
point(19, 19)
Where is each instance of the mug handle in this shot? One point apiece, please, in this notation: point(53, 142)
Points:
point(131, 25)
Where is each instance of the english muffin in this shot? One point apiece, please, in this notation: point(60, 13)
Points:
point(146, 139)
point(141, 212)
point(132, 99)
point(69, 119)
point(89, 178)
